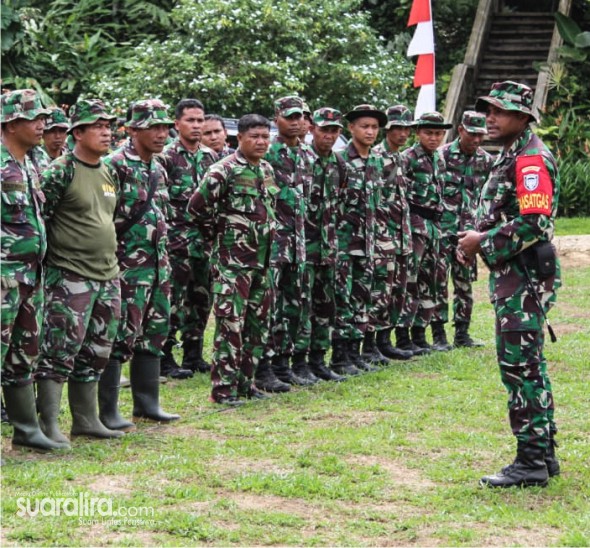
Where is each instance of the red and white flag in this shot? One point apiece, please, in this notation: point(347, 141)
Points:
point(422, 45)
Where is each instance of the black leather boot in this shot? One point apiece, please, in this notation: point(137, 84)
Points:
point(280, 367)
point(108, 398)
point(301, 369)
point(319, 369)
point(266, 380)
point(527, 470)
point(371, 353)
point(340, 359)
point(48, 405)
point(462, 338)
point(193, 356)
point(145, 387)
point(388, 350)
point(551, 461)
point(419, 338)
point(403, 342)
point(168, 365)
point(439, 337)
point(354, 353)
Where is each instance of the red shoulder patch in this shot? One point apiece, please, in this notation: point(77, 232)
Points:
point(534, 188)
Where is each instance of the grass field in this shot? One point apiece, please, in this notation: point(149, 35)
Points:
point(391, 458)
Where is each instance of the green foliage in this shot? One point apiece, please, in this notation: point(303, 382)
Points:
point(237, 55)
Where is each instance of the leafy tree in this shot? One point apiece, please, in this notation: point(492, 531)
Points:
point(237, 55)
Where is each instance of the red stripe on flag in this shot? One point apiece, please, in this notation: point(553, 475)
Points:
point(420, 12)
point(424, 70)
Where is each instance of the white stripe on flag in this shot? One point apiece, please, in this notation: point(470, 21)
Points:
point(423, 40)
point(426, 100)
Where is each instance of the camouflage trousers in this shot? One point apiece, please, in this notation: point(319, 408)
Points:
point(462, 277)
point(241, 304)
point(81, 319)
point(398, 294)
point(190, 299)
point(319, 313)
point(22, 314)
point(381, 293)
point(145, 319)
point(523, 367)
point(421, 287)
point(354, 279)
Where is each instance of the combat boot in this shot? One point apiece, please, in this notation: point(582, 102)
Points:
point(108, 398)
point(193, 356)
point(527, 470)
point(48, 405)
point(83, 406)
point(553, 468)
point(419, 338)
point(280, 367)
point(340, 359)
point(388, 350)
point(145, 389)
point(439, 337)
point(301, 369)
point(169, 366)
point(354, 354)
point(403, 342)
point(371, 353)
point(462, 338)
point(20, 406)
point(319, 369)
point(266, 380)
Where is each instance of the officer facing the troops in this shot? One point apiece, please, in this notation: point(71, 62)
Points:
point(24, 243)
point(514, 229)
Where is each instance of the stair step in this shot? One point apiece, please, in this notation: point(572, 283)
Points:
point(512, 59)
point(494, 66)
point(529, 14)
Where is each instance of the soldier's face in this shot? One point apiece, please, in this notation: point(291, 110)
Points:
point(54, 140)
point(305, 126)
point(150, 140)
point(190, 124)
point(289, 126)
point(213, 135)
point(504, 125)
point(94, 139)
point(468, 142)
point(397, 136)
point(430, 138)
point(253, 143)
point(28, 132)
point(324, 138)
point(364, 130)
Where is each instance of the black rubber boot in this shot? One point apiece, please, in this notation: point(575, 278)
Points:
point(340, 359)
point(193, 357)
point(20, 406)
point(462, 338)
point(266, 380)
point(384, 345)
point(527, 470)
point(354, 353)
point(419, 338)
point(108, 398)
point(48, 405)
point(145, 388)
point(83, 406)
point(403, 342)
point(318, 367)
point(439, 337)
point(301, 369)
point(169, 366)
point(280, 367)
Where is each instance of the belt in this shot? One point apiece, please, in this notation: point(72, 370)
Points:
point(425, 212)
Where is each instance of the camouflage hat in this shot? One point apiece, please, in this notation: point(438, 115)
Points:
point(399, 115)
point(88, 111)
point(474, 122)
point(57, 118)
point(147, 113)
point(361, 111)
point(21, 103)
point(432, 120)
point(306, 109)
point(327, 117)
point(285, 106)
point(510, 96)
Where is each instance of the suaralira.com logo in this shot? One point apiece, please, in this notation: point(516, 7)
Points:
point(86, 508)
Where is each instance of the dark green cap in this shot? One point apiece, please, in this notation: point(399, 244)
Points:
point(88, 111)
point(22, 103)
point(369, 111)
point(285, 106)
point(147, 113)
point(433, 120)
point(509, 95)
point(399, 115)
point(474, 122)
point(57, 118)
point(327, 117)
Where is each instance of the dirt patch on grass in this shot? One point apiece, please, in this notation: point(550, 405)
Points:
point(111, 485)
point(399, 474)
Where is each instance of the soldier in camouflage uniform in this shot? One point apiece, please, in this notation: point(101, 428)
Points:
point(54, 140)
point(186, 160)
point(140, 223)
point(83, 294)
point(468, 166)
point(234, 210)
point(424, 171)
point(395, 243)
point(356, 238)
point(515, 224)
point(215, 135)
point(322, 209)
point(24, 243)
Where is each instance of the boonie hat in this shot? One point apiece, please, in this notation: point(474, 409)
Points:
point(147, 113)
point(88, 111)
point(327, 117)
point(285, 106)
point(474, 122)
point(369, 111)
point(432, 120)
point(21, 103)
point(399, 115)
point(509, 95)
point(57, 118)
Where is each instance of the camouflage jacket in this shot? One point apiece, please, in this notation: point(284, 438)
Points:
point(517, 208)
point(394, 207)
point(424, 174)
point(464, 178)
point(233, 207)
point(322, 208)
point(40, 158)
point(24, 239)
point(293, 174)
point(185, 171)
point(142, 249)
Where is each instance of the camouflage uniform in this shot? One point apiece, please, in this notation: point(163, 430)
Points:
point(234, 210)
point(40, 159)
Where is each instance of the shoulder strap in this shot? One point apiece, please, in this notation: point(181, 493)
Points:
point(140, 212)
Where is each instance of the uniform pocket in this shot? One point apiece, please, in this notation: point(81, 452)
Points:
point(14, 206)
